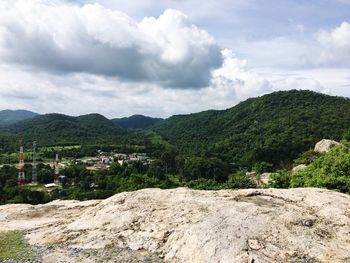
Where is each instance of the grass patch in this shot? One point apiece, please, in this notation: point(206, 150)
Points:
point(14, 247)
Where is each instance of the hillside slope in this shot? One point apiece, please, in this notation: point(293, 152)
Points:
point(8, 117)
point(274, 128)
point(56, 129)
point(182, 225)
point(136, 122)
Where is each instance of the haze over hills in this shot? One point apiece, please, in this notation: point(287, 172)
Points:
point(136, 121)
point(8, 117)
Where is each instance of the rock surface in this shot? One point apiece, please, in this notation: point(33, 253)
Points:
point(183, 225)
point(325, 145)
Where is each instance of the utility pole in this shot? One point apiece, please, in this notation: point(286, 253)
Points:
point(34, 170)
point(57, 171)
point(21, 174)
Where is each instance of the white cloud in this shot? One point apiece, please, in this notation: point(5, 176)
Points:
point(335, 45)
point(66, 38)
point(289, 83)
point(82, 93)
point(324, 48)
point(235, 76)
point(60, 57)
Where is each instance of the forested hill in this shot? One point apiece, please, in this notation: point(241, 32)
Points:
point(274, 128)
point(136, 121)
point(8, 117)
point(58, 129)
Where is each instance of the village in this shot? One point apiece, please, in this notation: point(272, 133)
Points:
point(101, 161)
point(104, 160)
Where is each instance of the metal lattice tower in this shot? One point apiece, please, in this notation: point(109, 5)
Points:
point(57, 171)
point(21, 174)
point(34, 170)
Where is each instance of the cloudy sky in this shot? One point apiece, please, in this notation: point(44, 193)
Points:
point(159, 58)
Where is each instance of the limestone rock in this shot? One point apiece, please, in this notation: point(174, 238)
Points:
point(265, 177)
point(183, 225)
point(325, 145)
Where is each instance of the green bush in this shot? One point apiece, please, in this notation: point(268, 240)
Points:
point(204, 184)
point(281, 179)
point(307, 157)
point(331, 170)
point(240, 181)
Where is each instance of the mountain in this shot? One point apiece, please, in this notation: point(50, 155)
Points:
point(8, 117)
point(274, 128)
point(136, 122)
point(270, 131)
point(58, 129)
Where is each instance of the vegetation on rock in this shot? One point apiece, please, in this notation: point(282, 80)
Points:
point(14, 247)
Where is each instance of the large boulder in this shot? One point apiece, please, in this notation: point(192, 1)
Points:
point(183, 225)
point(325, 145)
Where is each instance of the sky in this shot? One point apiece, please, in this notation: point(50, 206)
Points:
point(160, 58)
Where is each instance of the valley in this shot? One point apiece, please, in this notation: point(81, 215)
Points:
point(259, 140)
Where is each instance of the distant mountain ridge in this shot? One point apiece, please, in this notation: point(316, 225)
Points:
point(60, 129)
point(136, 121)
point(8, 117)
point(269, 130)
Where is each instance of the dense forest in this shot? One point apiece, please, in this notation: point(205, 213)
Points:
point(207, 150)
point(329, 170)
point(272, 129)
point(59, 129)
point(136, 122)
point(81, 183)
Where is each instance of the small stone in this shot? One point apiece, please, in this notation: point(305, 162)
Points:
point(254, 244)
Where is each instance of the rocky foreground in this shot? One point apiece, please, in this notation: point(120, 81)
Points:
point(183, 225)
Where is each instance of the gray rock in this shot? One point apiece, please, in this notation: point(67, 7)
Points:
point(183, 225)
point(325, 145)
point(265, 177)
